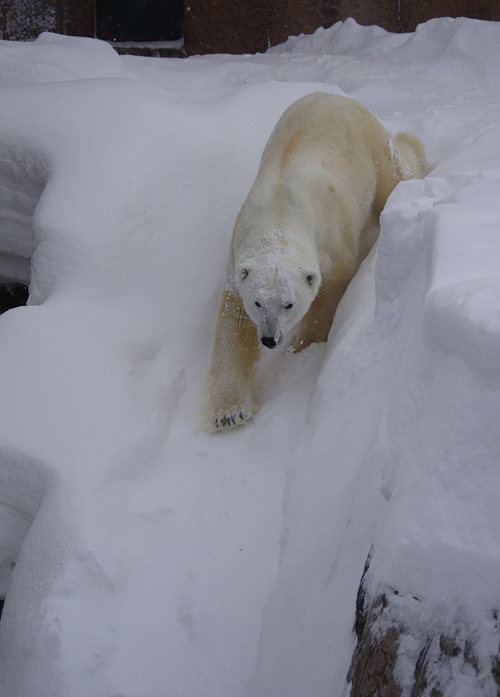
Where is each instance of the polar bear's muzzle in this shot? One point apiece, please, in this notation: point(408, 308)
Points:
point(268, 341)
point(271, 330)
point(271, 339)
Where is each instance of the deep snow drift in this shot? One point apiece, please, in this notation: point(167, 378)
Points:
point(153, 559)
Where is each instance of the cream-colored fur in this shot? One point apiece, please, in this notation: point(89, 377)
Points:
point(309, 220)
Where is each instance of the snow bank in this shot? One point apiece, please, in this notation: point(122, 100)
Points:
point(152, 558)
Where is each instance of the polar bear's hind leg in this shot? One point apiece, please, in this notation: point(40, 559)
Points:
point(410, 157)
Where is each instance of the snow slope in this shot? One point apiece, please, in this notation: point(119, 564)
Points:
point(152, 559)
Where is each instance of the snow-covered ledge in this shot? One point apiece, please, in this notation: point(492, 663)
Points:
point(428, 602)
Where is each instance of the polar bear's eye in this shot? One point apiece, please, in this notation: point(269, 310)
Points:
point(289, 306)
point(257, 304)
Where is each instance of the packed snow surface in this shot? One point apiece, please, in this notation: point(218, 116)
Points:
point(151, 558)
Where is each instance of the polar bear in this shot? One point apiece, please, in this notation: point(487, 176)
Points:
point(310, 218)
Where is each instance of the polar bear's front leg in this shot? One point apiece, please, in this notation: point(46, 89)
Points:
point(234, 355)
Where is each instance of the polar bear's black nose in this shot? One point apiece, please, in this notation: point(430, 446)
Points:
point(268, 341)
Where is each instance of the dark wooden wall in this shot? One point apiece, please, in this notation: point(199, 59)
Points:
point(251, 26)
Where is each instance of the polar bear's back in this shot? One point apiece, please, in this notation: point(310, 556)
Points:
point(341, 135)
point(331, 127)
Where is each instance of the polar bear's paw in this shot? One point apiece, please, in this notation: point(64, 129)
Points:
point(229, 403)
point(223, 415)
point(230, 418)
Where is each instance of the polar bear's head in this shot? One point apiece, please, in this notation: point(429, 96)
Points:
point(276, 294)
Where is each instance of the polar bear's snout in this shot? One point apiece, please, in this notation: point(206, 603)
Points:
point(272, 341)
point(270, 333)
point(268, 342)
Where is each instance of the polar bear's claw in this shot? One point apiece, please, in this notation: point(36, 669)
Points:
point(233, 420)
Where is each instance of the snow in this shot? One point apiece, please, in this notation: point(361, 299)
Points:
point(152, 558)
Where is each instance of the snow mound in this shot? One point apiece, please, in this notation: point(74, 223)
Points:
point(54, 58)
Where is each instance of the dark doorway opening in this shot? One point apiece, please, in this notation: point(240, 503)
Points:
point(139, 20)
